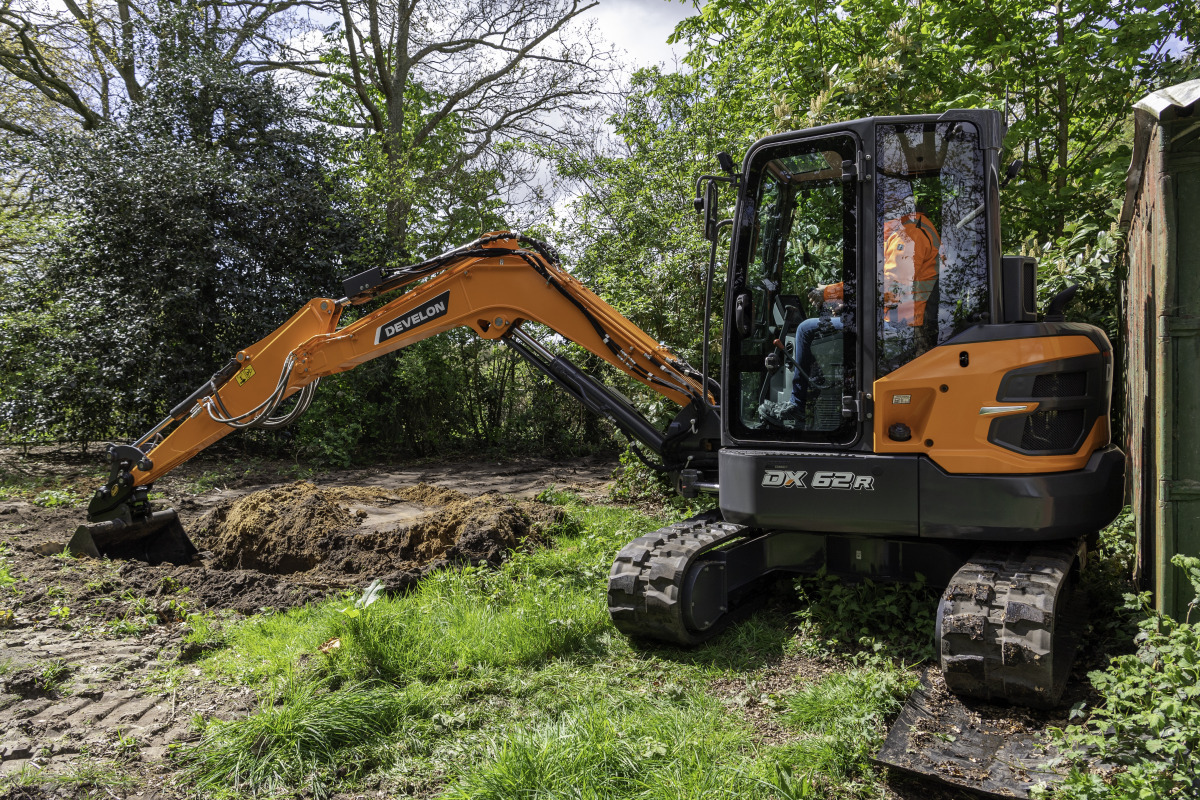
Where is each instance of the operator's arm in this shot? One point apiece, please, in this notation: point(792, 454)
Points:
point(490, 286)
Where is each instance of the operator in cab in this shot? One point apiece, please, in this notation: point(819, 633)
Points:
point(911, 253)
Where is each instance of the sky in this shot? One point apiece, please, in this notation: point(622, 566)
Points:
point(639, 28)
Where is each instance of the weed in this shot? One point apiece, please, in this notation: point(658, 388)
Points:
point(53, 675)
point(895, 620)
point(206, 631)
point(60, 613)
point(138, 604)
point(843, 716)
point(638, 484)
point(210, 479)
point(507, 682)
point(99, 586)
point(127, 746)
point(7, 617)
point(56, 498)
point(552, 495)
point(128, 626)
point(86, 773)
point(303, 742)
point(56, 591)
point(1148, 723)
point(617, 747)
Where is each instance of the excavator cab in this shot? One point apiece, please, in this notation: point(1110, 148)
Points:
point(893, 408)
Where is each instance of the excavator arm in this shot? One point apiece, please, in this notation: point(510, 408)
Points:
point(492, 286)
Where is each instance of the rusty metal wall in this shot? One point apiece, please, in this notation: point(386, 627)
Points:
point(1162, 393)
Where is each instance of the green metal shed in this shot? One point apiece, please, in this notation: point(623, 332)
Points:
point(1162, 301)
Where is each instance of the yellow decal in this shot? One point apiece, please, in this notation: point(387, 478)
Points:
point(245, 375)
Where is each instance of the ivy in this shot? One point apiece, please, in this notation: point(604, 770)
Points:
point(1143, 739)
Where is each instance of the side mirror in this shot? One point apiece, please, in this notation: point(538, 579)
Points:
point(706, 204)
point(1012, 171)
point(726, 162)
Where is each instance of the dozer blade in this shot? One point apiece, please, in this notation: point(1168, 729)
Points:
point(157, 539)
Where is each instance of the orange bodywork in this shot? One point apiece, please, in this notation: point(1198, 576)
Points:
point(490, 295)
point(945, 398)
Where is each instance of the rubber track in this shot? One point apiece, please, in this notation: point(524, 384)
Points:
point(1005, 627)
point(645, 585)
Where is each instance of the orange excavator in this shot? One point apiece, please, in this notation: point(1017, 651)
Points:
point(920, 422)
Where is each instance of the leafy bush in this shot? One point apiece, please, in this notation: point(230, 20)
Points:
point(890, 619)
point(638, 484)
point(1145, 734)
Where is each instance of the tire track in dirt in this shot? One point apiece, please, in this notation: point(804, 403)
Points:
point(97, 698)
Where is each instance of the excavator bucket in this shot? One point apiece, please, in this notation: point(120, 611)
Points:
point(157, 539)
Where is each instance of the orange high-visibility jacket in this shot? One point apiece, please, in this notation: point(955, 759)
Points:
point(910, 268)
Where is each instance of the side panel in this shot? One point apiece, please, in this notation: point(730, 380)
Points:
point(848, 493)
point(949, 403)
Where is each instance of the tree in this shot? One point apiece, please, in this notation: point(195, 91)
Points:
point(1068, 70)
point(92, 60)
point(451, 89)
point(190, 229)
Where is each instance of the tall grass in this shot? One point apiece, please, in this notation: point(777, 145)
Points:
point(306, 741)
point(652, 749)
point(842, 718)
point(512, 683)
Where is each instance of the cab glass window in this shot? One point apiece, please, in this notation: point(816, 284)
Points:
point(931, 245)
point(793, 344)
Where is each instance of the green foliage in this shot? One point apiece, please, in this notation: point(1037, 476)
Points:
point(188, 230)
point(634, 230)
point(1141, 740)
point(52, 675)
point(896, 620)
point(1086, 256)
point(638, 484)
point(511, 682)
point(55, 498)
point(844, 717)
point(1068, 72)
point(656, 749)
point(303, 742)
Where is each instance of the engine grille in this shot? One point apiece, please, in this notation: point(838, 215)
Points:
point(1053, 430)
point(1060, 384)
point(1071, 394)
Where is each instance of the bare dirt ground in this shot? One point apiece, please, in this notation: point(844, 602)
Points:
point(84, 642)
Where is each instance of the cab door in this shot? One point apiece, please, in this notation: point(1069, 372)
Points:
point(792, 371)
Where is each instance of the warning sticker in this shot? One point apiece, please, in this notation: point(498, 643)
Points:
point(246, 374)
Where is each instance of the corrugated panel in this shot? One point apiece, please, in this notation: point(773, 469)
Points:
point(1162, 212)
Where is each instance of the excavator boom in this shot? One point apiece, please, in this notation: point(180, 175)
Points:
point(492, 286)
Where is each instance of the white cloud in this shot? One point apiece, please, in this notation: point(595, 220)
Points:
point(639, 28)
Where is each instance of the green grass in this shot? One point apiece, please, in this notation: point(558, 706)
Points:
point(843, 718)
point(513, 683)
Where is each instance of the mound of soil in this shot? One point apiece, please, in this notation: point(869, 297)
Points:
point(357, 530)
